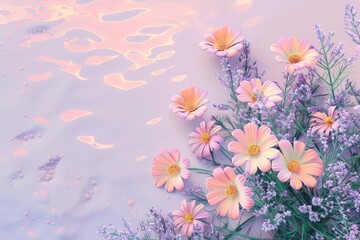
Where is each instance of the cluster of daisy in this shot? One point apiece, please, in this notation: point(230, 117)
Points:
point(285, 154)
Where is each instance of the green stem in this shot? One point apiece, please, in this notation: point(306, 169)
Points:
point(327, 68)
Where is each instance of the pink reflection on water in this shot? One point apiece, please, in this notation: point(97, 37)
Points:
point(252, 22)
point(141, 158)
point(118, 81)
point(41, 120)
point(32, 234)
point(154, 121)
point(244, 5)
point(179, 78)
point(110, 22)
point(65, 65)
point(98, 60)
point(41, 196)
point(20, 152)
point(91, 141)
point(73, 114)
point(40, 77)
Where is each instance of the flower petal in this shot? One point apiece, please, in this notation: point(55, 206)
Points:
point(295, 182)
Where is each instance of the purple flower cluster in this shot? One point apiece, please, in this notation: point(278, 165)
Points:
point(352, 23)
point(272, 224)
point(110, 232)
point(354, 233)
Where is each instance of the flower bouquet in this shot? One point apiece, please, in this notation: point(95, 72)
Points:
point(283, 155)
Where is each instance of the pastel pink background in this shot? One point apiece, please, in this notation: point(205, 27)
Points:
point(88, 83)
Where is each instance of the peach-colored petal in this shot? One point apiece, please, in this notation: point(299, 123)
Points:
point(239, 159)
point(223, 207)
point(246, 87)
point(246, 202)
point(286, 149)
point(237, 147)
point(230, 174)
point(308, 180)
point(270, 142)
point(185, 174)
point(270, 153)
point(220, 175)
point(241, 180)
point(178, 183)
point(303, 47)
point(294, 43)
point(251, 167)
point(251, 132)
point(295, 182)
point(256, 83)
point(312, 169)
point(278, 164)
point(299, 148)
point(310, 156)
point(212, 184)
point(284, 175)
point(240, 136)
point(280, 59)
point(277, 48)
point(234, 212)
point(263, 133)
point(215, 197)
point(263, 164)
point(170, 185)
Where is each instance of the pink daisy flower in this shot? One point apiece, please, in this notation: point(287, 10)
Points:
point(205, 139)
point(297, 164)
point(228, 191)
point(223, 42)
point(188, 217)
point(322, 123)
point(189, 104)
point(168, 169)
point(253, 92)
point(254, 146)
point(296, 54)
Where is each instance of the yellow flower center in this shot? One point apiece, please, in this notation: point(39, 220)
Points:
point(253, 98)
point(294, 57)
point(189, 106)
point(189, 218)
point(293, 166)
point(221, 44)
point(253, 149)
point(329, 121)
point(231, 191)
point(173, 169)
point(205, 138)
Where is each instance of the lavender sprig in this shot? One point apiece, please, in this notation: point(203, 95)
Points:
point(352, 23)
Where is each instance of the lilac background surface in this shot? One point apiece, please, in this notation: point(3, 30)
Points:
point(116, 64)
